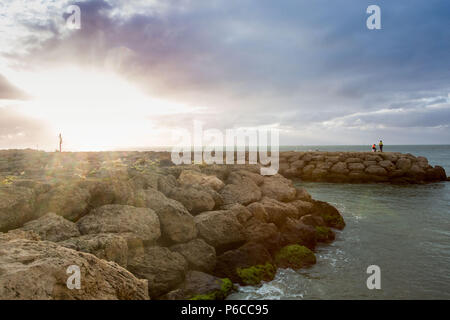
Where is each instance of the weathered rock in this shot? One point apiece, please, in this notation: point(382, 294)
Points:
point(279, 188)
point(16, 207)
point(303, 207)
point(324, 234)
point(356, 166)
point(177, 224)
point(266, 234)
point(339, 168)
point(189, 177)
point(376, 170)
point(243, 190)
point(302, 194)
point(258, 212)
point(166, 183)
point(140, 223)
point(194, 200)
point(330, 214)
point(52, 227)
point(221, 229)
point(296, 232)
point(107, 246)
point(201, 286)
point(388, 165)
point(199, 255)
point(19, 234)
point(163, 269)
point(295, 257)
point(37, 270)
point(110, 190)
point(241, 212)
point(278, 211)
point(403, 164)
point(249, 255)
point(312, 220)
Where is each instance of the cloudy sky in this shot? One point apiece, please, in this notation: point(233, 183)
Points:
point(136, 70)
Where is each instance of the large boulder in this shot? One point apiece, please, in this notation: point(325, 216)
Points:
point(279, 188)
point(266, 234)
point(139, 223)
point(199, 255)
point(67, 200)
point(107, 246)
point(194, 199)
point(330, 214)
point(295, 257)
point(250, 255)
point(278, 211)
point(201, 286)
point(115, 189)
point(37, 270)
point(17, 206)
point(163, 269)
point(190, 177)
point(242, 190)
point(221, 229)
point(296, 232)
point(404, 164)
point(177, 224)
point(376, 170)
point(52, 227)
point(339, 168)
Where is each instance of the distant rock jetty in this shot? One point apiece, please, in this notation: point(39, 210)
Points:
point(359, 167)
point(138, 227)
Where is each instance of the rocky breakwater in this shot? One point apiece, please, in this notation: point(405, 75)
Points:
point(140, 228)
point(359, 167)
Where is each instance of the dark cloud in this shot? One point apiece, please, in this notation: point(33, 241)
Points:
point(295, 63)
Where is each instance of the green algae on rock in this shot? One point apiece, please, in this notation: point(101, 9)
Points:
point(294, 256)
point(255, 274)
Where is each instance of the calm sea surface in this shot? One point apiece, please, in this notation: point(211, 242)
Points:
point(405, 230)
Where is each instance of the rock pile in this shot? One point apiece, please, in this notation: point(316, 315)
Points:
point(141, 229)
point(391, 167)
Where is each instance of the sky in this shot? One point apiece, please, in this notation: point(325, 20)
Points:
point(137, 70)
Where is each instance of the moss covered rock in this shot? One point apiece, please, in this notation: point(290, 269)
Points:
point(226, 287)
point(324, 234)
point(255, 274)
point(295, 257)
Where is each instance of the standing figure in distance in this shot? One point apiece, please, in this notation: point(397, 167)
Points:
point(60, 142)
point(381, 145)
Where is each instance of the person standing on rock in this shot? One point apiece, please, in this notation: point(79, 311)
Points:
point(60, 142)
point(381, 145)
point(374, 148)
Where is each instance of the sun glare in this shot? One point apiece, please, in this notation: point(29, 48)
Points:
point(94, 111)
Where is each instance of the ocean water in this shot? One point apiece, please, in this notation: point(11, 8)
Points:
point(405, 230)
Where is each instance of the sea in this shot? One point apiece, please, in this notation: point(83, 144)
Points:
point(402, 229)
